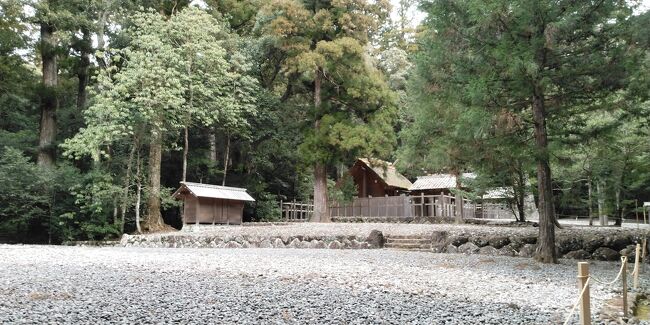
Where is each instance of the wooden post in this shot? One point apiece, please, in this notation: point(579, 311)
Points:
point(585, 306)
point(644, 246)
point(197, 212)
point(281, 210)
point(214, 210)
point(624, 280)
point(637, 267)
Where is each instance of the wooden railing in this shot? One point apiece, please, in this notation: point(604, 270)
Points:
point(416, 206)
point(389, 206)
point(295, 211)
point(400, 207)
point(440, 206)
point(494, 211)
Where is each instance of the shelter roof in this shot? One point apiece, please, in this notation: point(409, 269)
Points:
point(214, 191)
point(437, 181)
point(498, 193)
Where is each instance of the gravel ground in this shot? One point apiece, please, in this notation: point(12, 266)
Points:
point(53, 284)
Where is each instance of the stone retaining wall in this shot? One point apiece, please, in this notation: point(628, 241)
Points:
point(373, 240)
point(574, 246)
point(570, 243)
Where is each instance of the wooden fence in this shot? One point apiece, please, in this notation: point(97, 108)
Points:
point(440, 206)
point(494, 211)
point(389, 206)
point(402, 207)
point(295, 211)
point(407, 207)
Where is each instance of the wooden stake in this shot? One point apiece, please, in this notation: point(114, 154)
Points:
point(637, 267)
point(585, 306)
point(624, 279)
point(643, 253)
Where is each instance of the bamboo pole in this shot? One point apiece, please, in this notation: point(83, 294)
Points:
point(585, 306)
point(624, 280)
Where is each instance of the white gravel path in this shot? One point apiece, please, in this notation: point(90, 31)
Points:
point(83, 285)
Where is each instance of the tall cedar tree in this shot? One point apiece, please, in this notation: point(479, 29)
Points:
point(527, 57)
point(324, 45)
point(50, 68)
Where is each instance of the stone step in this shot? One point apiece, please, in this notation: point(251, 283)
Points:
point(408, 241)
point(420, 249)
point(407, 237)
point(411, 238)
point(407, 245)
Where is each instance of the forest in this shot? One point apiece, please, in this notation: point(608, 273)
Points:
point(106, 105)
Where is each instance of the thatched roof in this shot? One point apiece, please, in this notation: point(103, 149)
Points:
point(387, 172)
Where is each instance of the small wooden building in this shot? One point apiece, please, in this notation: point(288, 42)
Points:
point(437, 184)
point(376, 178)
point(212, 204)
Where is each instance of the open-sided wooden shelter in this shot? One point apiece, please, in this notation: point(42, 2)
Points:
point(212, 204)
point(375, 178)
point(437, 184)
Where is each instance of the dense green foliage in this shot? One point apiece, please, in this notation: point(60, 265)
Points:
point(516, 84)
point(281, 96)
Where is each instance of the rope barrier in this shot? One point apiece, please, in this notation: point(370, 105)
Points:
point(577, 301)
point(636, 269)
point(623, 259)
point(586, 285)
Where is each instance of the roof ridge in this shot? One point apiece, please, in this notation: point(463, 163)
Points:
point(214, 186)
point(382, 163)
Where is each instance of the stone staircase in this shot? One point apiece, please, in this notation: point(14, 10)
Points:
point(411, 242)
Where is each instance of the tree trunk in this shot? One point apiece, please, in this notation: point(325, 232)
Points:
point(520, 193)
point(459, 198)
point(320, 170)
point(153, 220)
point(601, 202)
point(212, 154)
point(186, 149)
point(115, 212)
point(320, 194)
point(138, 192)
point(545, 252)
point(127, 182)
point(591, 205)
point(618, 217)
point(82, 72)
point(225, 161)
point(49, 100)
point(186, 145)
point(101, 27)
